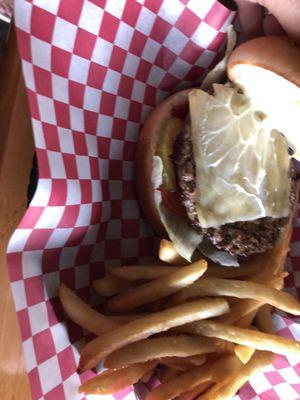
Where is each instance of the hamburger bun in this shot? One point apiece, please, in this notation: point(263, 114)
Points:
point(147, 145)
point(277, 54)
point(257, 58)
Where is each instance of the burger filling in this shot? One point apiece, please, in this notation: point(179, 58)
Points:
point(224, 180)
point(226, 173)
point(242, 238)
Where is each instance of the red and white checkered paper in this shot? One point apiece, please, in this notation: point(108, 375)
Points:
point(93, 70)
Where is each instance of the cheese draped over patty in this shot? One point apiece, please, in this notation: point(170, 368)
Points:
point(242, 161)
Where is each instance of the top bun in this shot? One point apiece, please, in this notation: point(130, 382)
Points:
point(267, 69)
point(278, 54)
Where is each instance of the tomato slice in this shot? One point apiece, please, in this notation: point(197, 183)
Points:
point(172, 201)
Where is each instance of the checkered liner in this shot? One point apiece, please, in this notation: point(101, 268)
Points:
point(93, 71)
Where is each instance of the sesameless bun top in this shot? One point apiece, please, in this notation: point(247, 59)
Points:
point(268, 70)
point(278, 54)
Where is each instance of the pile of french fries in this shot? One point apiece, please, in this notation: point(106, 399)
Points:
point(204, 330)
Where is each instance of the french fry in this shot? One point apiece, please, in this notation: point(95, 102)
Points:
point(149, 325)
point(243, 311)
point(157, 289)
point(247, 337)
point(146, 377)
point(264, 320)
point(182, 364)
point(83, 315)
point(192, 394)
point(195, 360)
point(111, 381)
point(167, 374)
point(167, 253)
point(239, 314)
point(186, 381)
point(246, 320)
point(110, 285)
point(92, 320)
point(230, 384)
point(242, 290)
point(280, 250)
point(140, 272)
point(239, 310)
point(124, 319)
point(181, 383)
point(244, 353)
point(179, 363)
point(246, 270)
point(161, 347)
point(263, 316)
point(158, 305)
point(273, 280)
point(219, 346)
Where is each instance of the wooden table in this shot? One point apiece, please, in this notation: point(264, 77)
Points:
point(16, 149)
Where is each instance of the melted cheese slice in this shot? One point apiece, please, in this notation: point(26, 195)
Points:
point(242, 162)
point(275, 96)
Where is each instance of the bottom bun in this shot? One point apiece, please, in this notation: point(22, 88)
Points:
point(147, 145)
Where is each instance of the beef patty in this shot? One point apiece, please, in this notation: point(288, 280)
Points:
point(242, 238)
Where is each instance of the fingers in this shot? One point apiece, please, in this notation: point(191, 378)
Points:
point(251, 18)
point(272, 27)
point(288, 15)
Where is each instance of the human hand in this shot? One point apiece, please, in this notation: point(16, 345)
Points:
point(283, 17)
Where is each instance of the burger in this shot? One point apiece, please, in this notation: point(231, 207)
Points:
point(214, 167)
